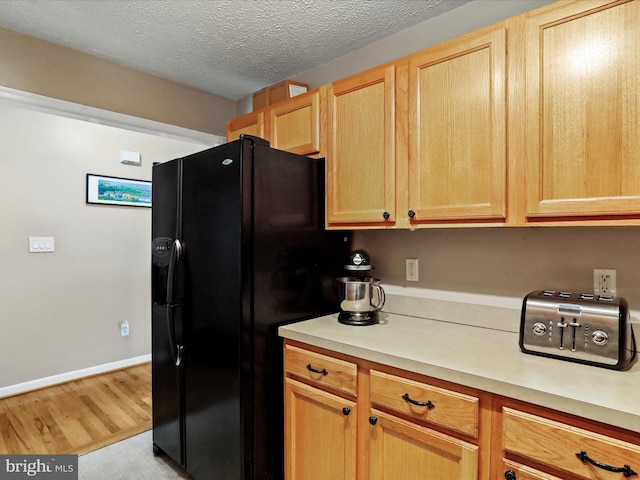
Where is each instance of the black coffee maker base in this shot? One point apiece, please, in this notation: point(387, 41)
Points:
point(349, 318)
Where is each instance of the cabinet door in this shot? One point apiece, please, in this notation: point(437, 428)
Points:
point(251, 124)
point(361, 149)
point(320, 434)
point(294, 125)
point(402, 449)
point(583, 110)
point(457, 129)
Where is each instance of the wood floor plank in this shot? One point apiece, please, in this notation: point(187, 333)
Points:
point(25, 429)
point(78, 416)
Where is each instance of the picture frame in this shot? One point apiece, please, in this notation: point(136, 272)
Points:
point(128, 192)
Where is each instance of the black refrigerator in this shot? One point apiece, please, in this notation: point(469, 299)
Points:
point(238, 248)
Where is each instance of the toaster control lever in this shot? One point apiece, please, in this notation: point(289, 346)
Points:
point(562, 325)
point(574, 325)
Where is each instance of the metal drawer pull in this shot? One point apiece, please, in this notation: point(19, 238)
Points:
point(346, 411)
point(311, 369)
point(373, 420)
point(625, 470)
point(427, 404)
point(510, 475)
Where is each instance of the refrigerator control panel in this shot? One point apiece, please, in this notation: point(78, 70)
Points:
point(161, 247)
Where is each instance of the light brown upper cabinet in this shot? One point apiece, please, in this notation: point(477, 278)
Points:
point(250, 124)
point(457, 130)
point(361, 149)
point(462, 134)
point(434, 155)
point(582, 112)
point(294, 125)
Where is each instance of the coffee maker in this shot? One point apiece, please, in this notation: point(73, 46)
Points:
point(361, 296)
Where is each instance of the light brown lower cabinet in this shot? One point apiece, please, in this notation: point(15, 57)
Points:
point(320, 434)
point(351, 419)
point(404, 449)
point(348, 419)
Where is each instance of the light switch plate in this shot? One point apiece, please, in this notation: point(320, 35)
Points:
point(42, 244)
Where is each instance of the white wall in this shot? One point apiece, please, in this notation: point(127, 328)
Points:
point(61, 311)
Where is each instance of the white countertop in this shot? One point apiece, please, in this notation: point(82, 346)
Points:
point(484, 358)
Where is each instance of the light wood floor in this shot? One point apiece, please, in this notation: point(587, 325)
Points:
point(79, 416)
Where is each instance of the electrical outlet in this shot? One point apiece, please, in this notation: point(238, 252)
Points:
point(604, 281)
point(124, 329)
point(412, 269)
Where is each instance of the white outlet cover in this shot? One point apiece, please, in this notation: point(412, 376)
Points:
point(611, 281)
point(412, 269)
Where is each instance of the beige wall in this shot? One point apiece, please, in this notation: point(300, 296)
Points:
point(61, 311)
point(44, 68)
point(507, 262)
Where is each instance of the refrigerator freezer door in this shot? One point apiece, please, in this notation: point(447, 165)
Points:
point(166, 312)
point(213, 239)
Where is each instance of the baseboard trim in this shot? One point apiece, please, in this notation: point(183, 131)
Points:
point(69, 376)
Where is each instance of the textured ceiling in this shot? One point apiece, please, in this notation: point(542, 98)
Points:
point(228, 47)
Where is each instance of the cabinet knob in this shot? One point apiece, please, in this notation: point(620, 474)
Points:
point(373, 420)
point(346, 411)
point(411, 214)
point(386, 215)
point(510, 475)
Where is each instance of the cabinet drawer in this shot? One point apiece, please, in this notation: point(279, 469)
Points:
point(321, 369)
point(449, 409)
point(559, 445)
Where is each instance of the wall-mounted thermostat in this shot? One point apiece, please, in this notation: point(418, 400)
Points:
point(129, 158)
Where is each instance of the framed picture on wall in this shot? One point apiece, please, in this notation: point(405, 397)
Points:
point(118, 191)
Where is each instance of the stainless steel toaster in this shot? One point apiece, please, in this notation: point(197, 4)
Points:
point(578, 327)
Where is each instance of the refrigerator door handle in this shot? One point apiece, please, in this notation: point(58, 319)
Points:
point(176, 255)
point(176, 350)
point(179, 355)
point(171, 327)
